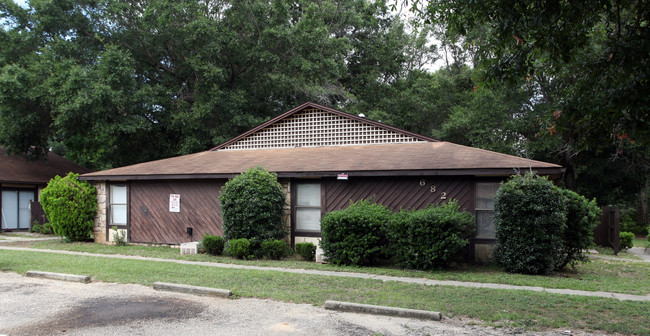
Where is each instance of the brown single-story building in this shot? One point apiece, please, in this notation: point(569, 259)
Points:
point(324, 158)
point(21, 182)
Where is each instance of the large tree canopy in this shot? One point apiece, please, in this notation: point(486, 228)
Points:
point(112, 82)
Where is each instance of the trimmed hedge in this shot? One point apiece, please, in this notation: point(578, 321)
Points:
point(356, 235)
point(530, 219)
point(429, 238)
point(582, 216)
point(70, 206)
point(252, 206)
point(213, 244)
point(626, 239)
point(240, 248)
point(274, 249)
point(306, 250)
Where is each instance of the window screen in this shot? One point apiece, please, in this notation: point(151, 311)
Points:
point(307, 207)
point(485, 209)
point(118, 204)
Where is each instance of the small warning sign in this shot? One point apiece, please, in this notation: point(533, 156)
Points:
point(342, 176)
point(174, 203)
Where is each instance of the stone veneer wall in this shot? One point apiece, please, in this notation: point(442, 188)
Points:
point(99, 229)
point(286, 185)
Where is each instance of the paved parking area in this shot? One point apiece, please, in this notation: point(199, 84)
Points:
point(30, 306)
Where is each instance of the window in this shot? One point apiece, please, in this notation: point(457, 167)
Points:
point(307, 207)
point(485, 209)
point(117, 204)
point(16, 213)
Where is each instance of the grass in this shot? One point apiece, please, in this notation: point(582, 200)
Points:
point(496, 307)
point(641, 242)
point(598, 275)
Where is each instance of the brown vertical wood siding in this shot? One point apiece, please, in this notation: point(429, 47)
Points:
point(399, 192)
point(151, 221)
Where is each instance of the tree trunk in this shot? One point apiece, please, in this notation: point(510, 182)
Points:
point(642, 204)
point(569, 177)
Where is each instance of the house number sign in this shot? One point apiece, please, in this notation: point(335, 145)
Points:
point(443, 195)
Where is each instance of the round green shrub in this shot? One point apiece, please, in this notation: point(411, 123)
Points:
point(274, 249)
point(47, 229)
point(429, 238)
point(213, 244)
point(240, 248)
point(70, 206)
point(356, 235)
point(252, 206)
point(306, 250)
point(530, 219)
point(582, 216)
point(626, 239)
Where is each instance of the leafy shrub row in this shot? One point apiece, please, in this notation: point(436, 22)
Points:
point(541, 228)
point(306, 250)
point(365, 232)
point(213, 244)
point(44, 229)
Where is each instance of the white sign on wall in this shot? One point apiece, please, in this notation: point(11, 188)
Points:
point(174, 203)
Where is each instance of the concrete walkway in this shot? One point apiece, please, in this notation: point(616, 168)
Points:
point(429, 282)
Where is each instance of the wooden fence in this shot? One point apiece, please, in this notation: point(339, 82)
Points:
point(606, 233)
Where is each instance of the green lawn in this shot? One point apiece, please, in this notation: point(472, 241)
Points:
point(516, 308)
point(598, 275)
point(641, 242)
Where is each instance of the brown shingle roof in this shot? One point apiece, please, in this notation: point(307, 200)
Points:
point(435, 158)
point(18, 170)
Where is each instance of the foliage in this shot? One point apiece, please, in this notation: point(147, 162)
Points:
point(356, 235)
point(252, 206)
point(274, 249)
point(38, 228)
point(306, 250)
point(626, 239)
point(93, 79)
point(47, 229)
point(213, 244)
point(70, 206)
point(119, 237)
point(582, 216)
point(530, 218)
point(240, 248)
point(431, 237)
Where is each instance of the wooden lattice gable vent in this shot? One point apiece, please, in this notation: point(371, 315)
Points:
point(311, 125)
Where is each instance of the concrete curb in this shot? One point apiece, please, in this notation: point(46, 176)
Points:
point(58, 276)
point(196, 290)
point(381, 310)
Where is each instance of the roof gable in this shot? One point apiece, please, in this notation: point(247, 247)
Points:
point(313, 125)
point(15, 169)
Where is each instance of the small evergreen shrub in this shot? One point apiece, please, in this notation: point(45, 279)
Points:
point(70, 205)
point(274, 249)
point(306, 250)
point(429, 238)
point(356, 235)
point(240, 248)
point(530, 219)
point(212, 244)
point(252, 206)
point(47, 229)
point(37, 228)
point(626, 239)
point(582, 216)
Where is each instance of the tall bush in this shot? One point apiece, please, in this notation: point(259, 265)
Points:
point(582, 216)
point(530, 218)
point(431, 237)
point(70, 206)
point(252, 206)
point(356, 235)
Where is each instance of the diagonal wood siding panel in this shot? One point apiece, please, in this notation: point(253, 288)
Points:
point(150, 219)
point(399, 192)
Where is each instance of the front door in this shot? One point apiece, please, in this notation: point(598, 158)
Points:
point(15, 208)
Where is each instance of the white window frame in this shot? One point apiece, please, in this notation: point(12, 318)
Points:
point(297, 206)
point(111, 204)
